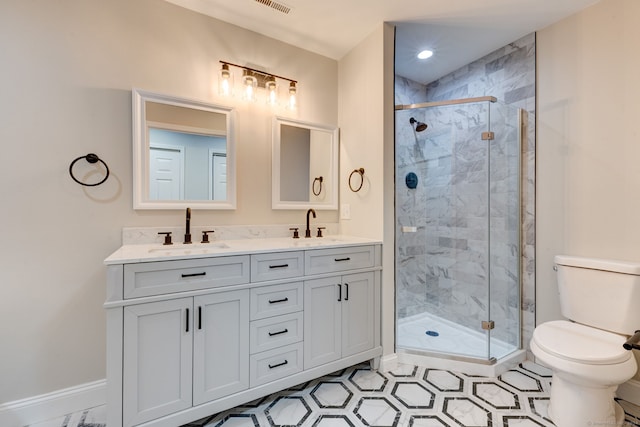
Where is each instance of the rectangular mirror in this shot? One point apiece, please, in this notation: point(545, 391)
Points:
point(305, 165)
point(183, 153)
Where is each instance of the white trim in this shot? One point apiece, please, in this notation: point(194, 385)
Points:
point(630, 391)
point(389, 362)
point(332, 175)
point(52, 405)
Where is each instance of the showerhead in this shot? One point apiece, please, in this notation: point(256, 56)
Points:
point(419, 125)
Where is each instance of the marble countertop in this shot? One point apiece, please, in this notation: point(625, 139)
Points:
point(129, 254)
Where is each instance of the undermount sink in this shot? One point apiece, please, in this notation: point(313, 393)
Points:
point(201, 248)
point(317, 241)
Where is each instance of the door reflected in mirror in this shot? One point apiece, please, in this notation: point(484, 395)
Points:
point(305, 165)
point(184, 152)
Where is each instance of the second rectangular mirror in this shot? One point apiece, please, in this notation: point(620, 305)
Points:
point(305, 165)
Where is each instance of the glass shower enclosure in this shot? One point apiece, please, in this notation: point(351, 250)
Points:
point(458, 228)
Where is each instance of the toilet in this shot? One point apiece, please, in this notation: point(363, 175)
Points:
point(601, 301)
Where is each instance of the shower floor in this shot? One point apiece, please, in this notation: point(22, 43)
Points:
point(452, 338)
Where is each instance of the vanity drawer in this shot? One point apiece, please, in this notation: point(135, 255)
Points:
point(274, 266)
point(163, 277)
point(274, 300)
point(275, 364)
point(341, 259)
point(274, 332)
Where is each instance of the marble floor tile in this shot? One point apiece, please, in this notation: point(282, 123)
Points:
point(409, 396)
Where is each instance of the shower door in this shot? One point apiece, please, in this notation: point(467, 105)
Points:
point(445, 227)
point(505, 150)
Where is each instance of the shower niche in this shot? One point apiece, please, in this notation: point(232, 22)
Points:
point(458, 270)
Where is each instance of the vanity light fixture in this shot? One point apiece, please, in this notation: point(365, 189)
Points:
point(249, 85)
point(293, 96)
point(225, 81)
point(252, 83)
point(272, 91)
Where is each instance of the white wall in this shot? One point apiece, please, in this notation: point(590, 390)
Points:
point(588, 148)
point(367, 140)
point(67, 71)
point(588, 173)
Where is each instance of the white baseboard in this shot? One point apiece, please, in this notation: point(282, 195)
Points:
point(52, 405)
point(630, 391)
point(389, 362)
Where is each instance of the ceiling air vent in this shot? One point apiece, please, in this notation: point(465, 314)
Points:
point(275, 5)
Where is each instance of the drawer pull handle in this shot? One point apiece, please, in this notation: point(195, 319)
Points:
point(342, 259)
point(279, 266)
point(275, 301)
point(279, 364)
point(204, 273)
point(271, 334)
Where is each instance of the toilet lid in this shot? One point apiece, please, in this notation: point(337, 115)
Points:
point(579, 343)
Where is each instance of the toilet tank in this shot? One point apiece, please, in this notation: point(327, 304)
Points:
point(601, 293)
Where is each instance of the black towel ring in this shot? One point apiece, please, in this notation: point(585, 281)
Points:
point(358, 171)
point(91, 158)
point(319, 179)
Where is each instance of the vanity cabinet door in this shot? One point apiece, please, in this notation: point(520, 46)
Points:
point(357, 313)
point(322, 321)
point(157, 359)
point(338, 317)
point(220, 345)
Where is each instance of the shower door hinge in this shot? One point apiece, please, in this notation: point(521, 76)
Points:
point(487, 325)
point(488, 136)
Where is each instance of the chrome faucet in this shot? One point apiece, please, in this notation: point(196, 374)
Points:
point(187, 233)
point(307, 232)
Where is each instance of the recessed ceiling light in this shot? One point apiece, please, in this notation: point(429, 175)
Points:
point(425, 54)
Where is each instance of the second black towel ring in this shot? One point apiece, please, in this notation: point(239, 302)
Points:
point(91, 158)
point(358, 171)
point(319, 179)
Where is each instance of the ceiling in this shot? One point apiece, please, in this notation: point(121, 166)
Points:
point(458, 31)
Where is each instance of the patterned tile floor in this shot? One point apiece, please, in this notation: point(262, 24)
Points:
point(409, 396)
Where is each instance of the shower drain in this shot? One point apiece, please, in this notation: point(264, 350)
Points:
point(432, 333)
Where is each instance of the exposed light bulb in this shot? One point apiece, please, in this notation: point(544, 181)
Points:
point(272, 91)
point(250, 84)
point(293, 94)
point(225, 81)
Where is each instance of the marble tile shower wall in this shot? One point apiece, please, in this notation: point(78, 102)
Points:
point(442, 268)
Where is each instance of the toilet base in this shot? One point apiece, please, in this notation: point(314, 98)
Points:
point(574, 405)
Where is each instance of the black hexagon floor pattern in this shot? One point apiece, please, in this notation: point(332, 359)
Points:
point(409, 396)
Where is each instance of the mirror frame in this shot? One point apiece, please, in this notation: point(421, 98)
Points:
point(276, 203)
point(141, 198)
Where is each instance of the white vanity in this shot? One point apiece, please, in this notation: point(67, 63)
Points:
point(196, 329)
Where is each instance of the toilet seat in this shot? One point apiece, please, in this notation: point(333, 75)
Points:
point(579, 343)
